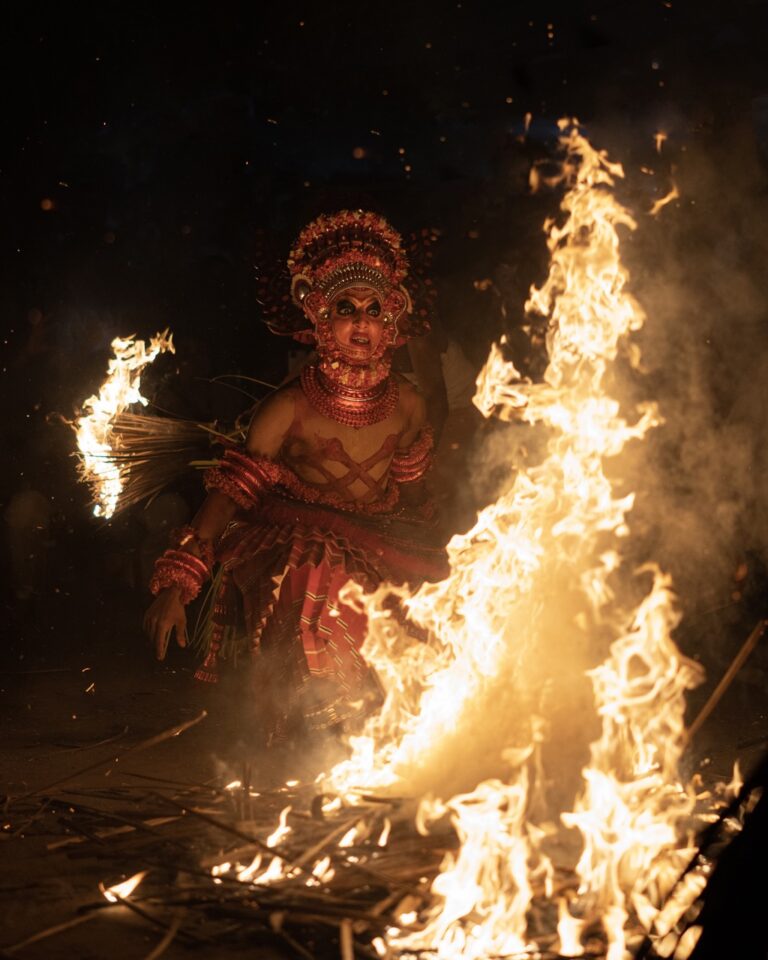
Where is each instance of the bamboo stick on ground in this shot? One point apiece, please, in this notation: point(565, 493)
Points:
point(738, 662)
point(145, 915)
point(167, 940)
point(111, 760)
point(227, 828)
point(111, 832)
point(346, 943)
point(337, 832)
point(50, 932)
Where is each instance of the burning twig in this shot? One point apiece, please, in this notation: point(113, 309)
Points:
point(233, 831)
point(309, 855)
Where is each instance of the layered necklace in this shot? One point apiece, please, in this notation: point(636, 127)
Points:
point(352, 405)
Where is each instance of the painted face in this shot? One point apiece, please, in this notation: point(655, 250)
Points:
point(357, 320)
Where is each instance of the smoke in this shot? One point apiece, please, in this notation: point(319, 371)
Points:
point(699, 504)
point(698, 271)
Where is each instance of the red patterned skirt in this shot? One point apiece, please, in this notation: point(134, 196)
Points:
point(277, 599)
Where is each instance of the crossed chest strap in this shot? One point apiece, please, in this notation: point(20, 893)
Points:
point(331, 449)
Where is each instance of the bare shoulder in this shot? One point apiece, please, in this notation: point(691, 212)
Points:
point(280, 403)
point(411, 398)
point(412, 406)
point(271, 421)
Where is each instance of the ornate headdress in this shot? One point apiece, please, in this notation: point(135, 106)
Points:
point(348, 248)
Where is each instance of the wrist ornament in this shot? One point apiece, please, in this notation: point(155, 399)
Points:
point(243, 478)
point(189, 540)
point(181, 567)
point(412, 463)
point(177, 568)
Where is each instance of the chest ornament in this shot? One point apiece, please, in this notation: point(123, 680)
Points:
point(350, 405)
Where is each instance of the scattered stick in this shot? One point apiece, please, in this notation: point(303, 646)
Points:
point(91, 746)
point(738, 662)
point(190, 784)
point(296, 946)
point(136, 748)
point(145, 915)
point(754, 742)
point(346, 942)
point(167, 940)
point(100, 835)
point(228, 828)
point(51, 932)
point(309, 855)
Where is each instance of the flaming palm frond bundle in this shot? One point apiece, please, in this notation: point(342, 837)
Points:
point(149, 453)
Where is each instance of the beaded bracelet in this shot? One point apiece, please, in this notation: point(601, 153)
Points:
point(178, 568)
point(243, 478)
point(411, 464)
point(185, 537)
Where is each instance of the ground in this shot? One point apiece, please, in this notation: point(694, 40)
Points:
point(65, 708)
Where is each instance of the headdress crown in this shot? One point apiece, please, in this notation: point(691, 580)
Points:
point(341, 249)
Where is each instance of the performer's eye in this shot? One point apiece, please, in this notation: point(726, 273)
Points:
point(345, 308)
point(374, 309)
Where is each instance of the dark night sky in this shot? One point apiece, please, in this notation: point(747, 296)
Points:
point(153, 153)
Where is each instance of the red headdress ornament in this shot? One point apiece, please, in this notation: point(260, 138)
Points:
point(345, 248)
point(340, 250)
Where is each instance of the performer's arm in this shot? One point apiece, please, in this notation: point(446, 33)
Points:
point(266, 433)
point(413, 493)
point(425, 359)
point(269, 425)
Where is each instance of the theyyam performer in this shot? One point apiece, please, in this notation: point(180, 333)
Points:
point(328, 487)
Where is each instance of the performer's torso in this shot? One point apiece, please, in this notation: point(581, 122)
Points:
point(348, 462)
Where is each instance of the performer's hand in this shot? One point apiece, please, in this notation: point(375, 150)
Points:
point(164, 616)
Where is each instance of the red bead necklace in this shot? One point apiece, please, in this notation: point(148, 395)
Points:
point(352, 406)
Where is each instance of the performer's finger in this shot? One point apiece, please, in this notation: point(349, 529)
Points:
point(163, 635)
point(181, 632)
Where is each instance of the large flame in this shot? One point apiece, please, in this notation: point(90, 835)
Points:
point(94, 429)
point(537, 588)
point(537, 545)
point(482, 894)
